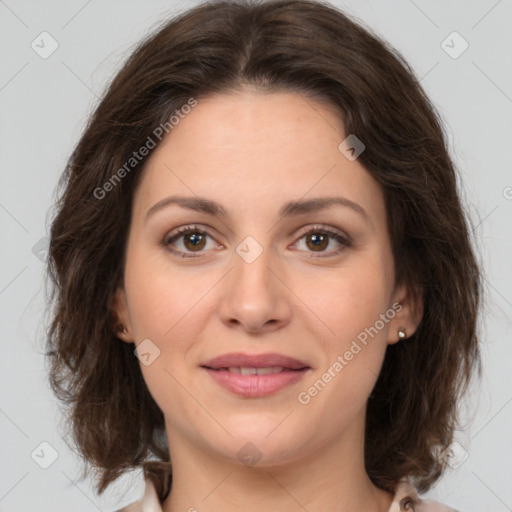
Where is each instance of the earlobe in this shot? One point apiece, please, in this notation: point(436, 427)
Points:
point(407, 320)
point(119, 312)
point(121, 329)
point(402, 334)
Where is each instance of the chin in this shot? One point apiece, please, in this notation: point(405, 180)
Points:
point(252, 446)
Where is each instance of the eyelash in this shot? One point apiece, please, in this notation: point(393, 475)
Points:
point(342, 240)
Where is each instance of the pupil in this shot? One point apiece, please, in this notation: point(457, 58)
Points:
point(195, 240)
point(318, 240)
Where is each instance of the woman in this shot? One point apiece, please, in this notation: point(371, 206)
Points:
point(265, 291)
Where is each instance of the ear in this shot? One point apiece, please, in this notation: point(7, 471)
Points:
point(408, 305)
point(121, 317)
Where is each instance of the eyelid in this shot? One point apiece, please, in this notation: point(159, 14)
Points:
point(334, 233)
point(324, 228)
point(179, 233)
point(341, 237)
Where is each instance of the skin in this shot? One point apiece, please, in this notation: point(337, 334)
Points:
point(253, 152)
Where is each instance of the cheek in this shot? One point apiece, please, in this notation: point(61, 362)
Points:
point(167, 303)
point(165, 307)
point(164, 299)
point(354, 305)
point(349, 301)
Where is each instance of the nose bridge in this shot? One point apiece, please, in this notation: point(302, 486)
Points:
point(251, 274)
point(252, 295)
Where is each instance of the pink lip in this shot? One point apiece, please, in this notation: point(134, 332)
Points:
point(239, 359)
point(255, 386)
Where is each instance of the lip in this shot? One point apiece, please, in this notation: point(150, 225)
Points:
point(239, 359)
point(255, 386)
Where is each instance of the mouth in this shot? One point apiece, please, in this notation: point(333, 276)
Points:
point(247, 370)
point(255, 376)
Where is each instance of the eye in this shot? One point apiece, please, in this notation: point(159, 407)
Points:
point(194, 241)
point(318, 238)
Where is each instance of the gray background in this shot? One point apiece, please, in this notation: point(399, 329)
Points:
point(43, 107)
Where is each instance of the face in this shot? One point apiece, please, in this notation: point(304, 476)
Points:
point(311, 283)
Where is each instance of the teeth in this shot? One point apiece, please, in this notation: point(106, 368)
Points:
point(256, 371)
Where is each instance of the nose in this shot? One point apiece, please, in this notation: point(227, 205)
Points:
point(254, 297)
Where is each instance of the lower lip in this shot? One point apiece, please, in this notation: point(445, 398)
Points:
point(256, 386)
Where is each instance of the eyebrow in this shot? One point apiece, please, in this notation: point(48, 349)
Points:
point(290, 209)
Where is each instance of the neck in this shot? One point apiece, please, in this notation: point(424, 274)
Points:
point(328, 477)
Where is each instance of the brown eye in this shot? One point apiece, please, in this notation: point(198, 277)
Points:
point(187, 241)
point(194, 241)
point(317, 242)
point(318, 239)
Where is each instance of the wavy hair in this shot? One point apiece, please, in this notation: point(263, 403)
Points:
point(314, 49)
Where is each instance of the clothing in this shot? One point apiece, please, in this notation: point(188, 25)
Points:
point(406, 499)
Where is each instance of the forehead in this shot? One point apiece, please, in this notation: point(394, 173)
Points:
point(244, 122)
point(250, 148)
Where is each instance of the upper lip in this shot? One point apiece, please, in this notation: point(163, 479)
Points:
point(240, 360)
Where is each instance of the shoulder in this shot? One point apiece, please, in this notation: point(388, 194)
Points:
point(148, 503)
point(406, 499)
point(133, 507)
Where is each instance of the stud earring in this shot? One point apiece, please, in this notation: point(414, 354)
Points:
point(121, 329)
point(402, 335)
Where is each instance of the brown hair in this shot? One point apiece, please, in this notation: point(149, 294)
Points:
point(314, 49)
